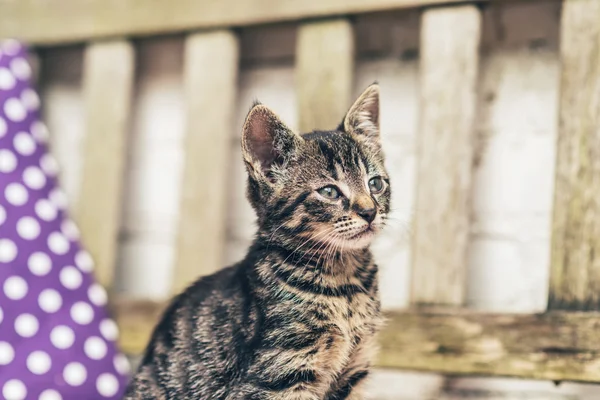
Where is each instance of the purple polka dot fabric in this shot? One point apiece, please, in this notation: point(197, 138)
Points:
point(56, 338)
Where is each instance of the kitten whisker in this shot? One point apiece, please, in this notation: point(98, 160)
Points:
point(311, 237)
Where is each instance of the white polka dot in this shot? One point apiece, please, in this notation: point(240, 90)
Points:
point(26, 325)
point(16, 194)
point(49, 164)
point(21, 68)
point(3, 127)
point(14, 390)
point(28, 228)
point(69, 229)
point(107, 385)
point(122, 364)
point(7, 353)
point(1, 314)
point(8, 250)
point(50, 395)
point(84, 261)
point(82, 313)
point(14, 110)
point(109, 329)
point(24, 143)
point(46, 210)
point(39, 131)
point(70, 277)
point(34, 177)
point(62, 337)
point(38, 362)
point(2, 215)
point(97, 294)
point(50, 300)
point(58, 197)
point(75, 374)
point(8, 161)
point(95, 348)
point(15, 288)
point(10, 46)
point(58, 243)
point(7, 80)
point(39, 263)
point(30, 99)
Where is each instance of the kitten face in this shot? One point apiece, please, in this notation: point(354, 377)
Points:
point(329, 188)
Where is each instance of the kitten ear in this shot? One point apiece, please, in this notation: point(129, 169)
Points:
point(363, 117)
point(267, 143)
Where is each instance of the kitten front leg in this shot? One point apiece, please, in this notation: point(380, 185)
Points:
point(297, 362)
point(294, 392)
point(351, 384)
point(293, 395)
point(280, 374)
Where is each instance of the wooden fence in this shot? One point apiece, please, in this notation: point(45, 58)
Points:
point(437, 334)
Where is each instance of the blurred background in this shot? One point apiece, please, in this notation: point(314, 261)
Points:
point(515, 137)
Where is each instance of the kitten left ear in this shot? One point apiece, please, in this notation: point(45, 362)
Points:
point(267, 143)
point(363, 116)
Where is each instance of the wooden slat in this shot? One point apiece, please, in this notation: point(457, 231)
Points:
point(107, 83)
point(449, 62)
point(575, 276)
point(210, 79)
point(557, 346)
point(44, 21)
point(324, 73)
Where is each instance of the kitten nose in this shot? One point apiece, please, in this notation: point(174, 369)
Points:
point(368, 214)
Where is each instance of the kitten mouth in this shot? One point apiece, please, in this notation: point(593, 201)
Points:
point(366, 232)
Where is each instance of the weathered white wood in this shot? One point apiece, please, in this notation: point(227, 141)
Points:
point(553, 346)
point(60, 21)
point(449, 63)
point(210, 81)
point(575, 274)
point(107, 84)
point(324, 73)
point(558, 346)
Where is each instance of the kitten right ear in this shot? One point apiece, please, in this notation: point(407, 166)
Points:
point(363, 117)
point(267, 143)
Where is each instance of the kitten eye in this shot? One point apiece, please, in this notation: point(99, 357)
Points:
point(329, 192)
point(376, 185)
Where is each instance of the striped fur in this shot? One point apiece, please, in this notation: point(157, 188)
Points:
point(296, 319)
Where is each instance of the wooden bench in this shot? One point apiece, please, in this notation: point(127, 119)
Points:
point(437, 334)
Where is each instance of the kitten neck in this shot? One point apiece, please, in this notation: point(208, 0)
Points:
point(316, 255)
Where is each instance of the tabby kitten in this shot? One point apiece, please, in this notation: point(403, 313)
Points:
point(296, 319)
